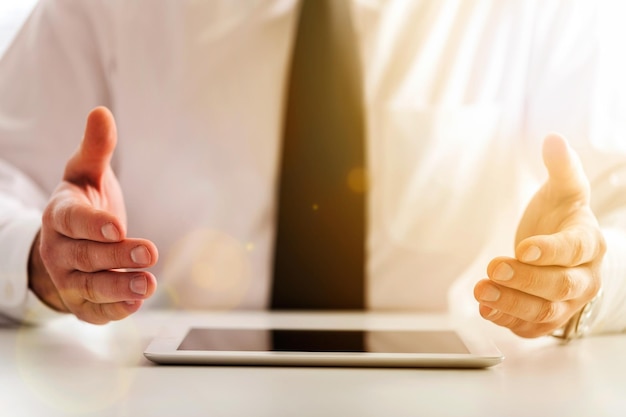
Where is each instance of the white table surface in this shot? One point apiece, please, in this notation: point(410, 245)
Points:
point(72, 368)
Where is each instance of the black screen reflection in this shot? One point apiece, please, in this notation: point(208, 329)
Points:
point(289, 340)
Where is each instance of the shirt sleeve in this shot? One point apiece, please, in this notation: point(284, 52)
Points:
point(609, 206)
point(51, 76)
point(17, 233)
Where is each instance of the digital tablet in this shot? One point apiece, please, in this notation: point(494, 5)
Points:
point(325, 347)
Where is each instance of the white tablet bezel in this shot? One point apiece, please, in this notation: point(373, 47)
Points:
point(482, 352)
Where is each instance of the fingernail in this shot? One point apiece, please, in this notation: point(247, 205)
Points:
point(110, 232)
point(503, 272)
point(140, 255)
point(492, 313)
point(490, 293)
point(130, 302)
point(532, 254)
point(139, 285)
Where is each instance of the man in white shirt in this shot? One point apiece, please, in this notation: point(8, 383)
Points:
point(458, 94)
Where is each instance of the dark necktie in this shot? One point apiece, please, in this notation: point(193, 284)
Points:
point(319, 258)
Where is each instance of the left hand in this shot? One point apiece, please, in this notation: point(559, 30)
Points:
point(558, 253)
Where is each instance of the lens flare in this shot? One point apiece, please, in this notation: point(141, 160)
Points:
point(208, 269)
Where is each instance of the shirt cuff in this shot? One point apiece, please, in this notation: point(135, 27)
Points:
point(17, 302)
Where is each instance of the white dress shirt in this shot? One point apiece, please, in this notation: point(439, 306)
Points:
point(459, 95)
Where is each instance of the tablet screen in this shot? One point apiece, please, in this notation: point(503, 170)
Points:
point(288, 340)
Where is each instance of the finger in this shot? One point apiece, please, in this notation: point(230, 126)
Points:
point(108, 286)
point(516, 325)
point(78, 220)
point(566, 175)
point(518, 304)
point(571, 246)
point(103, 313)
point(88, 256)
point(94, 154)
point(552, 283)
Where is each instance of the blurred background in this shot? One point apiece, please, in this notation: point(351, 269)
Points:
point(12, 15)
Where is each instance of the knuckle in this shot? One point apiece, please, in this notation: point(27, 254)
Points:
point(88, 289)
point(523, 328)
point(567, 288)
point(102, 316)
point(508, 321)
point(115, 311)
point(93, 313)
point(47, 252)
point(577, 252)
point(82, 257)
point(532, 280)
point(99, 288)
point(120, 288)
point(118, 254)
point(61, 215)
point(47, 217)
point(516, 306)
point(548, 312)
point(63, 219)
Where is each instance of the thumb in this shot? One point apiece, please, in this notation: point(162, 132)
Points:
point(567, 179)
point(92, 158)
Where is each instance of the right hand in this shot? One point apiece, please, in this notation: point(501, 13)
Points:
point(78, 260)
